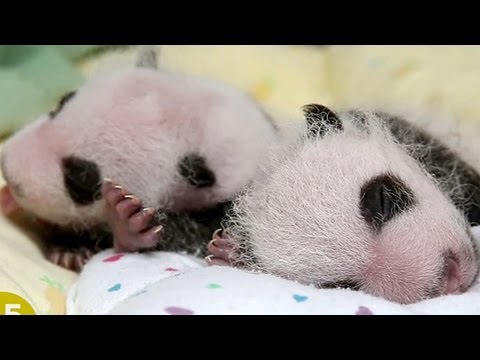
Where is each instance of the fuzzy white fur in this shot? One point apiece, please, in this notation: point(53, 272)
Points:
point(136, 124)
point(302, 220)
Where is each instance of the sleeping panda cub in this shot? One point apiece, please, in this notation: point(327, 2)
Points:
point(183, 144)
point(363, 200)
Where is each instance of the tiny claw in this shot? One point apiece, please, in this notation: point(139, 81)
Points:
point(218, 233)
point(208, 257)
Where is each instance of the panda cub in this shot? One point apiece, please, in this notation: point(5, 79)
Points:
point(363, 200)
point(184, 145)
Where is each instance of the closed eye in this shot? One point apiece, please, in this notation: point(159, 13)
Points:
point(384, 197)
point(82, 180)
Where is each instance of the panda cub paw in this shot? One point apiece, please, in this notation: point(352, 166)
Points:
point(133, 226)
point(220, 248)
point(68, 258)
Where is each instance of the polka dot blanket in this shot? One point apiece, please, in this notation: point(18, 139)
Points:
point(162, 283)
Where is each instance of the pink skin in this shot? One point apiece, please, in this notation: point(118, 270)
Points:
point(220, 247)
point(453, 282)
point(132, 224)
point(70, 259)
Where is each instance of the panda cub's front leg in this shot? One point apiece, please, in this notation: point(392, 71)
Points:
point(221, 249)
point(133, 226)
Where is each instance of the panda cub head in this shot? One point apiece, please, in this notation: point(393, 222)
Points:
point(178, 142)
point(346, 206)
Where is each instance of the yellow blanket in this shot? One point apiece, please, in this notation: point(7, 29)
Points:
point(283, 78)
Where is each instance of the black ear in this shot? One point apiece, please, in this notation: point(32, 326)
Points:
point(65, 99)
point(320, 120)
point(147, 58)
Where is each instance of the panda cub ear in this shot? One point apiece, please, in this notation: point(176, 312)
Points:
point(320, 120)
point(147, 58)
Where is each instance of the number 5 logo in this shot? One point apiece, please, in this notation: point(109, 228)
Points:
point(10, 307)
point(12, 304)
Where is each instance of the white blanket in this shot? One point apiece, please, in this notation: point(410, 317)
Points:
point(173, 284)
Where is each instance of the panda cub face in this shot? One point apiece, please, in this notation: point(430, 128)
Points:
point(46, 172)
point(348, 207)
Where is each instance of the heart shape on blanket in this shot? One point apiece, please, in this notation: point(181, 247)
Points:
point(363, 310)
point(214, 286)
point(115, 287)
point(176, 310)
point(113, 258)
point(300, 298)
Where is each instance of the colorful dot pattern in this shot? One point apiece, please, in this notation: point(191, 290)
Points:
point(115, 287)
point(363, 310)
point(178, 310)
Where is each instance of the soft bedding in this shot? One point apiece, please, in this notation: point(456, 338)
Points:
point(174, 284)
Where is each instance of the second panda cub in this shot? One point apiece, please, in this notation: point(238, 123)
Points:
point(184, 144)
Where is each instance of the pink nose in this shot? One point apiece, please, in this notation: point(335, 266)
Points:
point(453, 277)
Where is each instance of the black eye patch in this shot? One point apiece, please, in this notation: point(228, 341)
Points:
point(82, 180)
point(384, 197)
point(195, 170)
point(66, 98)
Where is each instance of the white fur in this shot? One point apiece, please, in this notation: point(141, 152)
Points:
point(136, 124)
point(303, 222)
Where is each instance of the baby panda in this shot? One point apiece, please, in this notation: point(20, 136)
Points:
point(363, 200)
point(185, 145)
